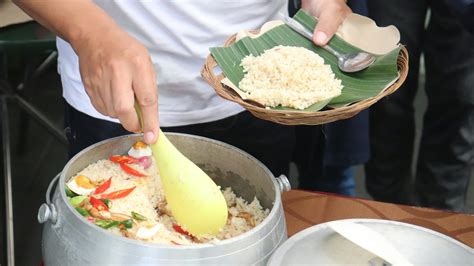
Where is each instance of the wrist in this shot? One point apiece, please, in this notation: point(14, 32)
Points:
point(81, 28)
point(79, 37)
point(306, 4)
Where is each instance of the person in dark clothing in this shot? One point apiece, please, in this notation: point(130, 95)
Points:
point(446, 151)
point(464, 11)
point(326, 155)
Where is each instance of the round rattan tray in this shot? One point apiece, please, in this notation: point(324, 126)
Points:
point(296, 117)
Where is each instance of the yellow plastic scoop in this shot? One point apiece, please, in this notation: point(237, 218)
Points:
point(195, 200)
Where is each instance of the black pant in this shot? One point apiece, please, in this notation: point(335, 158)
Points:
point(321, 152)
point(446, 151)
point(270, 143)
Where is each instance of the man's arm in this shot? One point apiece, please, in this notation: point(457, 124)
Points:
point(115, 68)
point(331, 14)
point(71, 20)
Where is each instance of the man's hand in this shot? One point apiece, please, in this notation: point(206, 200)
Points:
point(115, 70)
point(330, 13)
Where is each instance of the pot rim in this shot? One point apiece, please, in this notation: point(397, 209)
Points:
point(242, 237)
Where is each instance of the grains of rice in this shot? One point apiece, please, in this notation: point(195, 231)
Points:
point(143, 199)
point(148, 200)
point(288, 76)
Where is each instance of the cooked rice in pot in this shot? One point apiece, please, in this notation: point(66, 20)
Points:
point(147, 199)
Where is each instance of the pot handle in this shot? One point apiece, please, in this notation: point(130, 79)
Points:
point(47, 211)
point(283, 183)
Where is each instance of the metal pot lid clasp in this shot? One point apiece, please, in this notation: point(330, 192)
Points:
point(283, 183)
point(47, 211)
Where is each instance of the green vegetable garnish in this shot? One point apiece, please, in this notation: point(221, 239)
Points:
point(106, 224)
point(70, 193)
point(77, 200)
point(107, 202)
point(128, 223)
point(82, 211)
point(138, 216)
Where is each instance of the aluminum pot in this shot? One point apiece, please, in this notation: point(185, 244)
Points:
point(68, 239)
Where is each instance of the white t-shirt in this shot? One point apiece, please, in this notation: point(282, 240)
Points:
point(178, 35)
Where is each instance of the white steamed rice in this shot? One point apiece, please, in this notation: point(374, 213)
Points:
point(148, 200)
point(288, 76)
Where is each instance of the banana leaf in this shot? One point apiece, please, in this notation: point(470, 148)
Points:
point(357, 86)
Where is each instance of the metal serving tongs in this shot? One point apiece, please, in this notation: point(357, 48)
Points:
point(352, 62)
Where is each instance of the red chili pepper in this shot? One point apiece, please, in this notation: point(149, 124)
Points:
point(98, 204)
point(123, 159)
point(180, 230)
point(118, 194)
point(178, 244)
point(132, 171)
point(103, 187)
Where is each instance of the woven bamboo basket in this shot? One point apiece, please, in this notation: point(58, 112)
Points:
point(296, 117)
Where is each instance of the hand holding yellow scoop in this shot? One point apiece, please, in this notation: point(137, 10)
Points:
point(195, 200)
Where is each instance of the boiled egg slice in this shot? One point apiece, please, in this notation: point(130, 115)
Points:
point(139, 149)
point(81, 185)
point(148, 231)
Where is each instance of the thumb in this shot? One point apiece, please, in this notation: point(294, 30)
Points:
point(329, 22)
point(146, 101)
point(148, 123)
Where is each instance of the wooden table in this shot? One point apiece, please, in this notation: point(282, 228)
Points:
point(304, 209)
